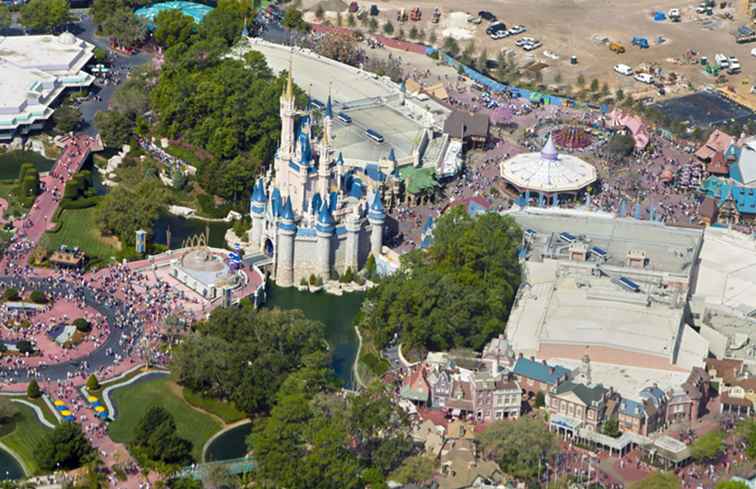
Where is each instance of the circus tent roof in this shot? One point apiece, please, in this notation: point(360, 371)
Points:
point(548, 171)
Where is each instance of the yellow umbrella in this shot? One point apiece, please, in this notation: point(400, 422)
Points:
point(65, 413)
point(99, 409)
point(59, 403)
point(92, 399)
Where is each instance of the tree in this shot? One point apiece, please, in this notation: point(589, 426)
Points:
point(82, 325)
point(100, 54)
point(620, 145)
point(92, 383)
point(414, 470)
point(115, 128)
point(45, 15)
point(341, 46)
point(581, 80)
point(225, 21)
point(540, 399)
point(319, 12)
point(11, 294)
point(619, 94)
point(244, 355)
point(67, 118)
point(6, 18)
point(293, 20)
point(65, 447)
point(432, 38)
point(594, 85)
point(658, 480)
point(32, 390)
point(38, 297)
point(388, 28)
point(458, 293)
point(102, 9)
point(156, 438)
point(350, 20)
point(173, 27)
point(124, 27)
point(413, 32)
point(450, 46)
point(519, 447)
point(123, 211)
point(372, 25)
point(708, 447)
point(611, 427)
point(131, 98)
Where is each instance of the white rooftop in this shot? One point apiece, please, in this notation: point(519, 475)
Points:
point(548, 171)
point(727, 272)
point(34, 70)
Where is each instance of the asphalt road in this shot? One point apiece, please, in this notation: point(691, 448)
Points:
point(99, 357)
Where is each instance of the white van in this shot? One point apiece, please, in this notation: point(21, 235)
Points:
point(644, 78)
point(623, 69)
point(722, 60)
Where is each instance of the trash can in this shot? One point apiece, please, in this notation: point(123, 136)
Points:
point(704, 60)
point(573, 60)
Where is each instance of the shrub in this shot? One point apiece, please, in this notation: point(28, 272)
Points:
point(11, 294)
point(82, 325)
point(313, 279)
point(25, 346)
point(38, 297)
point(33, 391)
point(540, 400)
point(92, 383)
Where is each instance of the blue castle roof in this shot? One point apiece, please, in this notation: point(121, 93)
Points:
point(304, 144)
point(275, 202)
point(392, 155)
point(258, 192)
point(325, 219)
point(376, 207)
point(317, 202)
point(287, 212)
point(340, 159)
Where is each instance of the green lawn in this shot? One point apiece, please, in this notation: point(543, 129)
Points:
point(24, 436)
point(227, 411)
point(78, 228)
point(133, 401)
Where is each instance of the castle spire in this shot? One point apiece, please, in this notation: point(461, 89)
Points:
point(290, 82)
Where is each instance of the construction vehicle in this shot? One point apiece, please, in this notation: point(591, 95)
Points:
point(401, 15)
point(641, 42)
point(436, 15)
point(616, 47)
point(415, 14)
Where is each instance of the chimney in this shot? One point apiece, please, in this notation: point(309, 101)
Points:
point(552, 370)
point(532, 358)
point(544, 361)
point(519, 355)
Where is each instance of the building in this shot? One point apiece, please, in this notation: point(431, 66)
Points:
point(548, 172)
point(573, 405)
point(534, 376)
point(718, 142)
point(646, 416)
point(688, 402)
point(582, 268)
point(34, 73)
point(469, 129)
point(206, 272)
point(313, 216)
point(496, 397)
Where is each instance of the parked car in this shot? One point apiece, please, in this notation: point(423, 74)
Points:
point(623, 69)
point(516, 29)
point(474, 20)
point(674, 14)
point(644, 78)
point(486, 15)
point(722, 60)
point(374, 10)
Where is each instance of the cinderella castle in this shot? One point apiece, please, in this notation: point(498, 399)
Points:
point(313, 215)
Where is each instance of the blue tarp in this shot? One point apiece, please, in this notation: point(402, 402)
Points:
point(658, 16)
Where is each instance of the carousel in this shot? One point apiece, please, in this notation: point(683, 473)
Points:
point(548, 172)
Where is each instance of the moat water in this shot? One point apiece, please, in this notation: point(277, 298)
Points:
point(10, 469)
point(337, 313)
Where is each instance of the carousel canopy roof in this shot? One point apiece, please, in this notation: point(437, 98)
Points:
point(548, 171)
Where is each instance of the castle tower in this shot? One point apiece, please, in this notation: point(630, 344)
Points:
point(376, 216)
point(324, 231)
point(257, 212)
point(324, 172)
point(288, 114)
point(352, 252)
point(285, 249)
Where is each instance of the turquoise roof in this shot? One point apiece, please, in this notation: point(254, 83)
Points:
point(196, 11)
point(539, 371)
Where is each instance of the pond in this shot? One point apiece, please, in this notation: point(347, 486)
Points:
point(11, 161)
point(10, 469)
point(229, 445)
point(338, 314)
point(182, 228)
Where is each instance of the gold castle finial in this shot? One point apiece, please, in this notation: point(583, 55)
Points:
point(290, 82)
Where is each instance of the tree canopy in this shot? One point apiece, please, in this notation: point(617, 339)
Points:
point(519, 446)
point(45, 15)
point(173, 27)
point(65, 447)
point(156, 438)
point(458, 293)
point(707, 447)
point(731, 484)
point(123, 211)
point(747, 430)
point(244, 355)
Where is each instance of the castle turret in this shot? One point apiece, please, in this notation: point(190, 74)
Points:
point(287, 230)
point(288, 114)
point(376, 216)
point(257, 212)
point(324, 172)
point(352, 251)
point(324, 230)
point(340, 172)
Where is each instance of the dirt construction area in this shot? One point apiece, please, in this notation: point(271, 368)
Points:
point(585, 28)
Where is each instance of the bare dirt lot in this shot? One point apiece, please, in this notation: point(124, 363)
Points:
point(570, 27)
